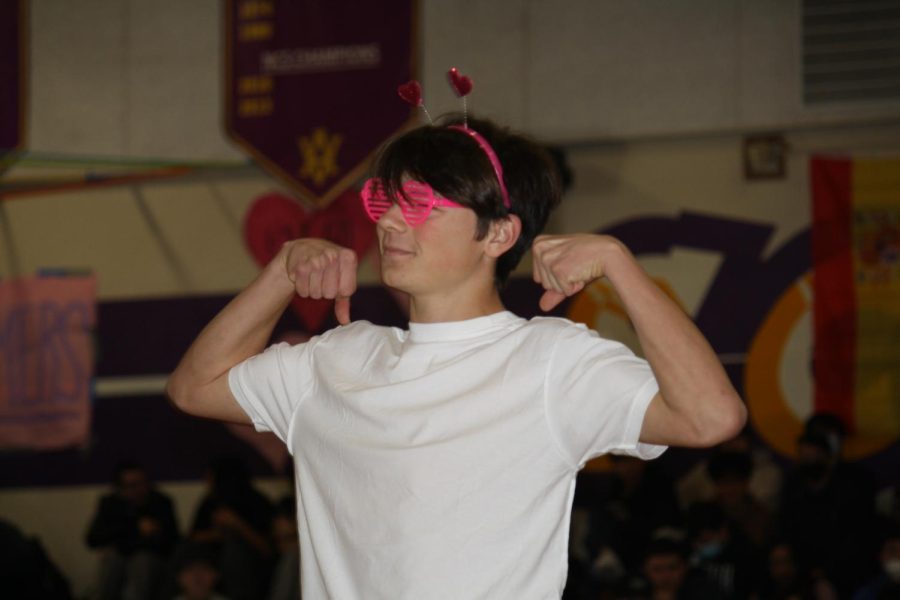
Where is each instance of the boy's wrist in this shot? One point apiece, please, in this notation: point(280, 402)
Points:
point(612, 257)
point(276, 272)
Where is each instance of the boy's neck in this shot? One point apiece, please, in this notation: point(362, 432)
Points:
point(445, 308)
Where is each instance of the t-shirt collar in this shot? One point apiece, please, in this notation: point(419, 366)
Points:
point(461, 330)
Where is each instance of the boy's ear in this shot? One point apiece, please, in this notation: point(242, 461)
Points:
point(502, 235)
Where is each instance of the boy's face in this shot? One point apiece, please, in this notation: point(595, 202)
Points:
point(439, 255)
point(133, 485)
point(890, 558)
point(731, 489)
point(198, 580)
point(666, 572)
point(781, 565)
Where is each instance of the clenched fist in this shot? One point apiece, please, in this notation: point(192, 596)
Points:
point(321, 269)
point(564, 264)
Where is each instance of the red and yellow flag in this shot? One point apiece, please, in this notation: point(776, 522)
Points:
point(856, 309)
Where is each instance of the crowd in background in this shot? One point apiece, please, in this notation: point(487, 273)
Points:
point(240, 546)
point(738, 525)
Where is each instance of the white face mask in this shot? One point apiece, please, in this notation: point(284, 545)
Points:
point(892, 568)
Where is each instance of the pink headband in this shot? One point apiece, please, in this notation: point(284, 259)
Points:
point(411, 92)
point(492, 156)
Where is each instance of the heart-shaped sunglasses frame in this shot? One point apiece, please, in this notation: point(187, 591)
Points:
point(416, 201)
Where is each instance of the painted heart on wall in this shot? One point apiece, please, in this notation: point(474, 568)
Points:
point(276, 218)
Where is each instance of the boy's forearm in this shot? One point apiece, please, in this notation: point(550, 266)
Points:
point(692, 381)
point(239, 331)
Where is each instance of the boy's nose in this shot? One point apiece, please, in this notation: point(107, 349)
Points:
point(393, 219)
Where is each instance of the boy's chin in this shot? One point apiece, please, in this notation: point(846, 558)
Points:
point(393, 281)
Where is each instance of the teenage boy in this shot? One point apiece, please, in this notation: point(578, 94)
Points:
point(440, 461)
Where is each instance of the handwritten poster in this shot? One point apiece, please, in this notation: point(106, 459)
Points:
point(46, 361)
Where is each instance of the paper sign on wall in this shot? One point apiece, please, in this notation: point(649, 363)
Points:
point(46, 361)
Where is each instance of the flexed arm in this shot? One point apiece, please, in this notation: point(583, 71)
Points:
point(312, 268)
point(697, 405)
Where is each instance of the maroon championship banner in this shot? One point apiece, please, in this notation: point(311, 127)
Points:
point(12, 75)
point(311, 86)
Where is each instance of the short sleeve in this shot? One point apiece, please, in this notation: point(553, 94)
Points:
point(271, 385)
point(597, 392)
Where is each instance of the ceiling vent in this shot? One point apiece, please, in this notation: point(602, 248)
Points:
point(851, 50)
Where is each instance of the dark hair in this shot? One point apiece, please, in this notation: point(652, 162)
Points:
point(665, 546)
point(826, 422)
point(456, 167)
point(230, 475)
point(705, 516)
point(729, 465)
point(192, 553)
point(888, 530)
point(817, 440)
point(123, 466)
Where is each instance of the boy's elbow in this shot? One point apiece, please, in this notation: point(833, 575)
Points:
point(725, 422)
point(177, 393)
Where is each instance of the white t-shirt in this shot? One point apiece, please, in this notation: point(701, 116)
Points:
point(440, 462)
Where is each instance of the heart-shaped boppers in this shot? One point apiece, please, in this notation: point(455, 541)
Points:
point(411, 92)
point(274, 219)
point(460, 83)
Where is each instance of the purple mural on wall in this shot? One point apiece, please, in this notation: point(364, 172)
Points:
point(147, 337)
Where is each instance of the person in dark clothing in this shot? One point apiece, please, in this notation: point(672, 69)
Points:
point(721, 552)
point(886, 584)
point(285, 583)
point(828, 515)
point(197, 573)
point(26, 572)
point(641, 499)
point(667, 575)
point(237, 519)
point(135, 528)
point(730, 473)
point(784, 578)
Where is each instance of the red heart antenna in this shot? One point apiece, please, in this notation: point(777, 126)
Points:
point(460, 83)
point(411, 92)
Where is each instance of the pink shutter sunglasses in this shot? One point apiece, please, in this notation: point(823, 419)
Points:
point(416, 201)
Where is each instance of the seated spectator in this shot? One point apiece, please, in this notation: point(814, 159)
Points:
point(784, 579)
point(237, 519)
point(832, 429)
point(26, 572)
point(286, 576)
point(135, 529)
point(887, 503)
point(887, 583)
point(730, 473)
point(667, 575)
point(722, 554)
point(765, 475)
point(197, 573)
point(828, 515)
point(640, 500)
